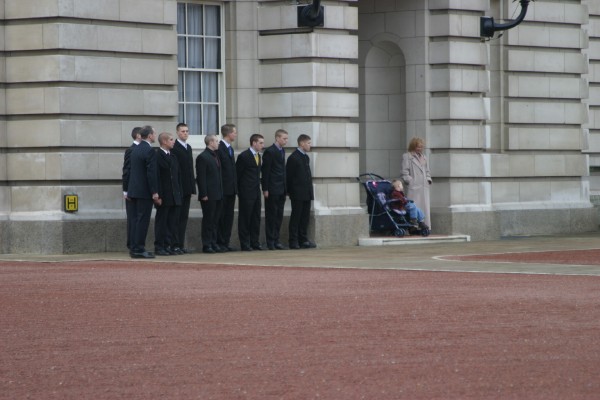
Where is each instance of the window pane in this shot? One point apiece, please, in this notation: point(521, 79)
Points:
point(192, 86)
point(181, 53)
point(180, 18)
point(210, 87)
point(213, 21)
point(194, 19)
point(210, 123)
point(213, 54)
point(195, 53)
point(192, 112)
point(180, 86)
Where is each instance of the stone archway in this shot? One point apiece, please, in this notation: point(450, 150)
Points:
point(382, 109)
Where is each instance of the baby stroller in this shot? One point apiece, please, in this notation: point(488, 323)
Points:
point(382, 218)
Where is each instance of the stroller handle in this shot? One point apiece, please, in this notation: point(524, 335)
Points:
point(370, 176)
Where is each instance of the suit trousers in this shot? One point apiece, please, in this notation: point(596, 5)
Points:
point(184, 213)
point(226, 220)
point(130, 221)
point(142, 211)
point(211, 211)
point(274, 205)
point(165, 226)
point(299, 219)
point(249, 221)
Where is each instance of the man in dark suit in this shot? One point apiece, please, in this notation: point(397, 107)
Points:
point(273, 186)
point(210, 192)
point(248, 178)
point(142, 190)
point(135, 135)
point(227, 158)
point(183, 152)
point(300, 190)
point(169, 191)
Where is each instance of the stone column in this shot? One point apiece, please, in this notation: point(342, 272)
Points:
point(308, 82)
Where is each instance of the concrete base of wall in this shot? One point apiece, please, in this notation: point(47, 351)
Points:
point(96, 236)
point(502, 223)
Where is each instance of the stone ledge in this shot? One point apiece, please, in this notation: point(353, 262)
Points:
point(412, 240)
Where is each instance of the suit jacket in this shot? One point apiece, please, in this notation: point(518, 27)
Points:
point(273, 171)
point(127, 166)
point(248, 175)
point(143, 180)
point(185, 159)
point(228, 172)
point(208, 175)
point(169, 180)
point(299, 177)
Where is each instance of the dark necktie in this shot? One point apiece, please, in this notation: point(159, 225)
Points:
point(230, 151)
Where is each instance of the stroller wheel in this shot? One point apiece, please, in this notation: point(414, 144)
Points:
point(425, 232)
point(399, 232)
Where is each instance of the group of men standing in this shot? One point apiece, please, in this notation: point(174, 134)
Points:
point(164, 178)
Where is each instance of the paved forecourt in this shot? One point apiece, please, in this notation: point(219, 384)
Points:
point(484, 256)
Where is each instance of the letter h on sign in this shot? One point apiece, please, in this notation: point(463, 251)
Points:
point(71, 203)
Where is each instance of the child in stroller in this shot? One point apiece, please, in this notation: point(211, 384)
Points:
point(382, 217)
point(399, 204)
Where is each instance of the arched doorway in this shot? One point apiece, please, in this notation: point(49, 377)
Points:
point(382, 109)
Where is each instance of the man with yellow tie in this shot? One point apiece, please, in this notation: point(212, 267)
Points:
point(247, 167)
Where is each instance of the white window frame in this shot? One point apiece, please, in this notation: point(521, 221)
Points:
point(196, 139)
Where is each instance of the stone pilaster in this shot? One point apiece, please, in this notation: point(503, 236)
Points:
point(308, 82)
point(593, 54)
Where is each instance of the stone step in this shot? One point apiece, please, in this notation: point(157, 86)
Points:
point(412, 240)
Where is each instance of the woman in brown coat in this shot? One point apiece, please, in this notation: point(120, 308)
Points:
point(416, 176)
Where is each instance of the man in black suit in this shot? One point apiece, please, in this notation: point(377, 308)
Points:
point(169, 191)
point(210, 192)
point(135, 135)
point(248, 178)
point(142, 190)
point(227, 158)
point(183, 152)
point(273, 186)
point(300, 190)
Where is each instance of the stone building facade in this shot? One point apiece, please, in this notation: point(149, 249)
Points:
point(512, 124)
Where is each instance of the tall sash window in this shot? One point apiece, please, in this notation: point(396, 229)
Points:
point(200, 65)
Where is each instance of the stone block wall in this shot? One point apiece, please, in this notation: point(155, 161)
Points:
point(78, 76)
point(593, 76)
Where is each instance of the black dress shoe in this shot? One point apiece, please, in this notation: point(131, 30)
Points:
point(279, 246)
point(270, 246)
point(257, 247)
point(162, 252)
point(208, 250)
point(219, 249)
point(176, 250)
point(184, 250)
point(143, 254)
point(294, 246)
point(246, 248)
point(308, 245)
point(229, 248)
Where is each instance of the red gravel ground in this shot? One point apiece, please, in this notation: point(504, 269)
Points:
point(572, 257)
point(99, 330)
